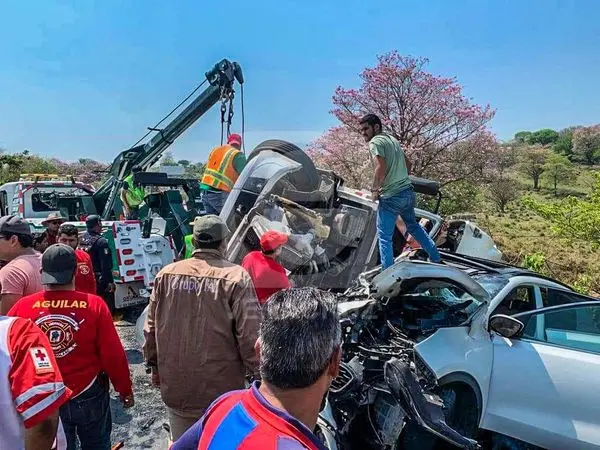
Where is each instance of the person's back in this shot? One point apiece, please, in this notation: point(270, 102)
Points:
point(396, 175)
point(82, 334)
point(86, 345)
point(299, 348)
point(199, 303)
point(201, 327)
point(253, 421)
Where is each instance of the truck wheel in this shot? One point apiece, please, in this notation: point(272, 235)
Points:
point(307, 179)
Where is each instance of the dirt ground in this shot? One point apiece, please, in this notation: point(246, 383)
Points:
point(142, 426)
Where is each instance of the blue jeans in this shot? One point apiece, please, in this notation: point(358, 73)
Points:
point(213, 201)
point(88, 417)
point(402, 204)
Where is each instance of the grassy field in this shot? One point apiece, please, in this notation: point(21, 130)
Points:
point(526, 239)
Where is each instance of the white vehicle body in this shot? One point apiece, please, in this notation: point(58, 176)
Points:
point(537, 388)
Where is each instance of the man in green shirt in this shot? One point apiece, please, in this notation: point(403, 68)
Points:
point(393, 188)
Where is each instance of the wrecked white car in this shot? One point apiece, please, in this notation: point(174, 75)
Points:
point(332, 228)
point(520, 382)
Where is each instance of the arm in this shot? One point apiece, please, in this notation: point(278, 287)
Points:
point(380, 168)
point(13, 282)
point(36, 384)
point(149, 348)
point(112, 355)
point(105, 261)
point(90, 276)
point(124, 201)
point(239, 162)
point(246, 315)
point(42, 435)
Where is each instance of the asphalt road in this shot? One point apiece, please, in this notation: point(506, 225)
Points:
point(140, 427)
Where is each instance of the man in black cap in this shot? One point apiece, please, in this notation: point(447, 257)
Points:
point(86, 345)
point(201, 327)
point(21, 275)
point(97, 247)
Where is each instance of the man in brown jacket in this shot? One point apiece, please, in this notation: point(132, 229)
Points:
point(202, 324)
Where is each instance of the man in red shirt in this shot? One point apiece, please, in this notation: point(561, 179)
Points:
point(31, 389)
point(267, 274)
point(86, 345)
point(85, 281)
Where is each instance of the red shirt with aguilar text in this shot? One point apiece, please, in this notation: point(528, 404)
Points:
point(267, 275)
point(85, 281)
point(82, 334)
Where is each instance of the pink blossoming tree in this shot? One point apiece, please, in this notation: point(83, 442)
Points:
point(445, 136)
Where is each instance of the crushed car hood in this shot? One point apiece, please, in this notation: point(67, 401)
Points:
point(390, 282)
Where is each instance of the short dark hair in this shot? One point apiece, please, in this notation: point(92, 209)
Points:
point(25, 240)
point(299, 333)
point(268, 252)
point(372, 120)
point(206, 245)
point(68, 229)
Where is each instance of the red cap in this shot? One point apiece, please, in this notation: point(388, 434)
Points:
point(234, 139)
point(272, 239)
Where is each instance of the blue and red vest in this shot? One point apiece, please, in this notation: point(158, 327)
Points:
point(244, 420)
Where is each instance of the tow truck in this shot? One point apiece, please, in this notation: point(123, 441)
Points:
point(140, 248)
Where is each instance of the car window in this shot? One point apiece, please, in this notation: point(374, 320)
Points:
point(556, 297)
point(521, 299)
point(577, 328)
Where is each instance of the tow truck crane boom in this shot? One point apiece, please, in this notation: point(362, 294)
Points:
point(221, 79)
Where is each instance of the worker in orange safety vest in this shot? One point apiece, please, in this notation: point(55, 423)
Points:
point(225, 163)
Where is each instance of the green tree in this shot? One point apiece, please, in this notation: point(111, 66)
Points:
point(558, 169)
point(195, 170)
point(564, 143)
point(532, 160)
point(183, 162)
point(522, 137)
point(543, 137)
point(573, 219)
point(586, 144)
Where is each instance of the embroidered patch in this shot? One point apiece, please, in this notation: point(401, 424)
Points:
point(41, 360)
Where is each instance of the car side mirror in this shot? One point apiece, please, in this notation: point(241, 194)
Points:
point(506, 326)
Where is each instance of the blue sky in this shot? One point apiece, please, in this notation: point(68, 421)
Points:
point(83, 79)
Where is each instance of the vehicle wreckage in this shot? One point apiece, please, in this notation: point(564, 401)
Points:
point(332, 228)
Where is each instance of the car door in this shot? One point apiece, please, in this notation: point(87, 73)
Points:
point(543, 387)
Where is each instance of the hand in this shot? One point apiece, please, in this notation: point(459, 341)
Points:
point(155, 379)
point(127, 401)
point(111, 288)
point(376, 194)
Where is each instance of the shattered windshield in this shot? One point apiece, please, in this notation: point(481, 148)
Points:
point(492, 283)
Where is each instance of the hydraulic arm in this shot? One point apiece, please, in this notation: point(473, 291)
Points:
point(220, 79)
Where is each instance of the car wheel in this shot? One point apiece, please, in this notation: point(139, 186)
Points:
point(461, 413)
point(307, 179)
point(461, 410)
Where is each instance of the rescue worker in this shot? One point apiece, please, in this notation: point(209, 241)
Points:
point(394, 190)
point(94, 244)
point(31, 388)
point(132, 196)
point(225, 163)
point(20, 276)
point(201, 327)
point(85, 281)
point(86, 345)
point(50, 235)
point(267, 274)
point(299, 351)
